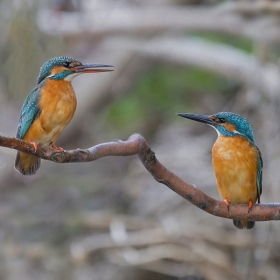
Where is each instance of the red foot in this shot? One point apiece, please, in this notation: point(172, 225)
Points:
point(227, 202)
point(250, 205)
point(35, 145)
point(57, 148)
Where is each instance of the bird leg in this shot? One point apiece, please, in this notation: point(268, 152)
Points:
point(227, 202)
point(250, 205)
point(35, 145)
point(57, 148)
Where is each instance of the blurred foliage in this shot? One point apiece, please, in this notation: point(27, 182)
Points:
point(163, 91)
point(20, 65)
point(271, 52)
point(63, 203)
point(228, 39)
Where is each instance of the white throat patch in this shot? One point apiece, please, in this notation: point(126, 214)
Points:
point(70, 77)
point(219, 133)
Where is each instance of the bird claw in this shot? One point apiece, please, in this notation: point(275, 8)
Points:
point(57, 148)
point(35, 145)
point(227, 202)
point(250, 206)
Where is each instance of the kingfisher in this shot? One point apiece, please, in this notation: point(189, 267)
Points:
point(236, 160)
point(49, 107)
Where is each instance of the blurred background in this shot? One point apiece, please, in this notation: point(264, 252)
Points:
point(109, 219)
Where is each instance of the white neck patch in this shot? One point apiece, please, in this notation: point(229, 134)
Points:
point(237, 132)
point(219, 133)
point(70, 77)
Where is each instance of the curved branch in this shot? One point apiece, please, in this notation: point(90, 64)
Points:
point(136, 144)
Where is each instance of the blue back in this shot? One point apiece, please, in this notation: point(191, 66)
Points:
point(29, 111)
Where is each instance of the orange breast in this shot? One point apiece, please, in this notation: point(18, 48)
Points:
point(235, 163)
point(58, 104)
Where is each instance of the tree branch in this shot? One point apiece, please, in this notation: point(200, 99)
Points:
point(222, 59)
point(227, 18)
point(136, 144)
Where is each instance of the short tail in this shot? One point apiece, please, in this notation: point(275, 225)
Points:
point(241, 224)
point(26, 164)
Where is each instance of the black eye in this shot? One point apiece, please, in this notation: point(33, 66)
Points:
point(222, 120)
point(66, 64)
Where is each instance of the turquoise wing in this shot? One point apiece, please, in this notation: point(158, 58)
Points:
point(259, 174)
point(29, 112)
point(259, 171)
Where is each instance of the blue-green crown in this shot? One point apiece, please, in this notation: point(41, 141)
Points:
point(46, 68)
point(242, 125)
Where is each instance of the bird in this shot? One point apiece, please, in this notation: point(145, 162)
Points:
point(49, 107)
point(236, 160)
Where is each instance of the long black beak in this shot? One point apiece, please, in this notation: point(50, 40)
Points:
point(92, 68)
point(199, 118)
